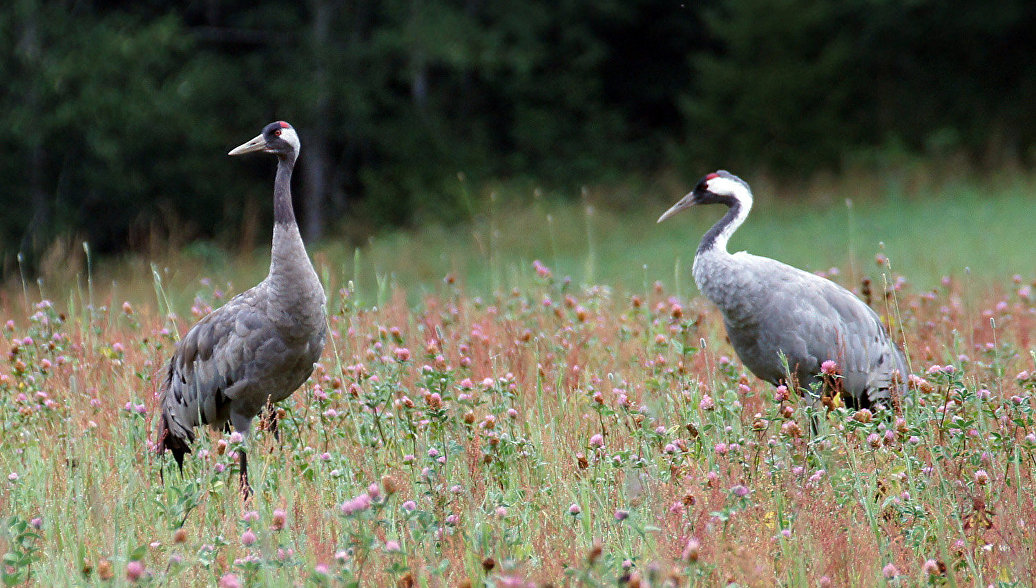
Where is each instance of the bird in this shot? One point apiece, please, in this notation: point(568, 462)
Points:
point(771, 309)
point(260, 346)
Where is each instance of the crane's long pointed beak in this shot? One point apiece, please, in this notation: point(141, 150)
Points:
point(256, 144)
point(685, 202)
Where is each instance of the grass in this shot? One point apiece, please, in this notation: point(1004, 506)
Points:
point(515, 427)
point(975, 229)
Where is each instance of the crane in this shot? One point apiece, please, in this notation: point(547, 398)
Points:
point(260, 346)
point(772, 309)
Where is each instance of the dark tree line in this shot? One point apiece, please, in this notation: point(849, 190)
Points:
point(116, 115)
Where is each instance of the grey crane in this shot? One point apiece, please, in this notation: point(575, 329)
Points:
point(260, 346)
point(770, 308)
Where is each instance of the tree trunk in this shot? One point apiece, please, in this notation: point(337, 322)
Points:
point(316, 163)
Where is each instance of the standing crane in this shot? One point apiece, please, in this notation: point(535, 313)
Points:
point(260, 346)
point(771, 308)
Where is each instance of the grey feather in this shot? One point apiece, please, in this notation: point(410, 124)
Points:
point(257, 348)
point(771, 309)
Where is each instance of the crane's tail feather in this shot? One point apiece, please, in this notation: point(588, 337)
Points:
point(169, 440)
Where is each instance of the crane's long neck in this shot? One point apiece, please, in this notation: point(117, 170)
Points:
point(720, 276)
point(715, 239)
point(290, 268)
point(283, 214)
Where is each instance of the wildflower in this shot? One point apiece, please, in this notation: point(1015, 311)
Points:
point(321, 569)
point(250, 516)
point(236, 437)
point(392, 546)
point(786, 533)
point(890, 571)
point(409, 506)
point(280, 519)
point(930, 567)
point(597, 440)
point(791, 428)
point(874, 440)
point(12, 477)
point(706, 403)
point(229, 581)
point(501, 511)
point(134, 571)
point(574, 510)
point(180, 536)
point(740, 491)
point(981, 477)
point(248, 537)
point(692, 550)
point(621, 515)
point(402, 354)
point(36, 523)
point(104, 570)
point(863, 416)
point(721, 448)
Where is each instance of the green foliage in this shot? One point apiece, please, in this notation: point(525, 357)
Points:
point(117, 117)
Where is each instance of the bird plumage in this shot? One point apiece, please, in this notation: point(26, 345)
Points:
point(261, 345)
point(770, 308)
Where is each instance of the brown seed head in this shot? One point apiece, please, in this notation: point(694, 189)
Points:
point(595, 552)
point(104, 570)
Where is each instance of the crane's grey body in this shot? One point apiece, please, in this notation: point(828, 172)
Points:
point(770, 308)
point(257, 348)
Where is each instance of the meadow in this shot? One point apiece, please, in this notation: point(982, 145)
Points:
point(540, 397)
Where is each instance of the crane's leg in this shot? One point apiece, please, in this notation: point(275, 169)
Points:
point(246, 488)
point(243, 425)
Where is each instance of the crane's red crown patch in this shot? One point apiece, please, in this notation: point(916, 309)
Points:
point(711, 176)
point(283, 124)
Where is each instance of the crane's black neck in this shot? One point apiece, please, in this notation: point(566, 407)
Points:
point(283, 213)
point(717, 237)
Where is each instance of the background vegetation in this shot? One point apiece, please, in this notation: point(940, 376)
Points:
point(116, 115)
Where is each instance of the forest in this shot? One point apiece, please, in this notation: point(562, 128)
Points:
point(117, 115)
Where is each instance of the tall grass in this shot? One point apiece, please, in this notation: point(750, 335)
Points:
point(508, 425)
point(552, 433)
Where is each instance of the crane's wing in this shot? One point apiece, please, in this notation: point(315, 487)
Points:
point(209, 368)
point(812, 320)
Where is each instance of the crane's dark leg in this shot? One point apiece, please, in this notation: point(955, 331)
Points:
point(242, 424)
point(246, 488)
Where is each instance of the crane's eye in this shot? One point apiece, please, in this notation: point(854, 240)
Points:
point(277, 132)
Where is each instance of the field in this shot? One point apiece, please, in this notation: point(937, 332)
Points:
point(478, 418)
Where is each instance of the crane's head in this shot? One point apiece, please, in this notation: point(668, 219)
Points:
point(278, 138)
point(720, 187)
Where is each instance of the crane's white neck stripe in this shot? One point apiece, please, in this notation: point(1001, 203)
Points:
point(743, 198)
point(292, 138)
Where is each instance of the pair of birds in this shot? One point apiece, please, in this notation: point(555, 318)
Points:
point(261, 346)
